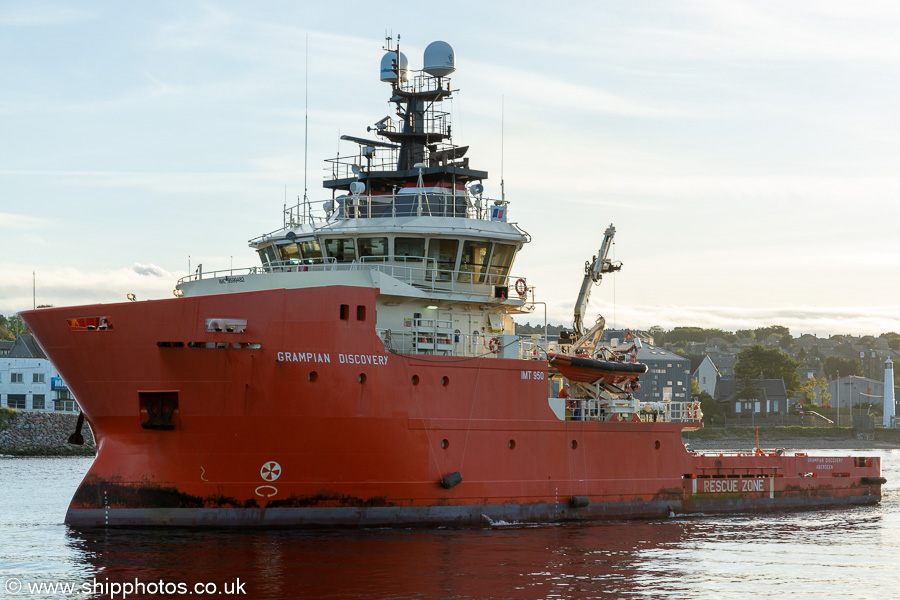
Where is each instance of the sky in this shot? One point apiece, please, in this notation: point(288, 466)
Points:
point(747, 152)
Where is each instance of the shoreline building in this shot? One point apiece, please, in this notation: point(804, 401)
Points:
point(29, 381)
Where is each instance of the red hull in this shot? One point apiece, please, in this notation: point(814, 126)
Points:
point(303, 418)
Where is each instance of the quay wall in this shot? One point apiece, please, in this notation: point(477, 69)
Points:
point(27, 433)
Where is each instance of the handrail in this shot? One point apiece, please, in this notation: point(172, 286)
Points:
point(424, 272)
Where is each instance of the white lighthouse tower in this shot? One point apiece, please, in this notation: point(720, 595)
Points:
point(888, 393)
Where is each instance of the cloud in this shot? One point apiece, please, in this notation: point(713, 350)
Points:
point(13, 221)
point(151, 270)
point(59, 286)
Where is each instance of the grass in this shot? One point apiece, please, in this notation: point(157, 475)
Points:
point(7, 416)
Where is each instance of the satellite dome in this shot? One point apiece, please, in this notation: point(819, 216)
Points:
point(387, 67)
point(439, 59)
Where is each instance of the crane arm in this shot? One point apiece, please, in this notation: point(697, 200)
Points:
point(593, 273)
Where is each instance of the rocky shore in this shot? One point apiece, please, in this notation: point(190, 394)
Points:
point(44, 434)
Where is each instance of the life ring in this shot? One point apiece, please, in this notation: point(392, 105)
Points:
point(494, 345)
point(694, 410)
point(521, 287)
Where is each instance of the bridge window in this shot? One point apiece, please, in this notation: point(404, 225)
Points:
point(268, 256)
point(311, 251)
point(443, 252)
point(409, 247)
point(501, 260)
point(376, 247)
point(290, 253)
point(342, 249)
point(474, 261)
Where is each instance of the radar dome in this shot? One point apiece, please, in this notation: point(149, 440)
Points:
point(439, 59)
point(387, 67)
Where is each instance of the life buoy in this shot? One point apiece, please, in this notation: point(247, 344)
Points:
point(521, 287)
point(694, 410)
point(494, 345)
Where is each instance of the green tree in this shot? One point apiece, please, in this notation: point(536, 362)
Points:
point(16, 326)
point(808, 391)
point(757, 362)
point(824, 394)
point(893, 340)
point(710, 408)
point(764, 332)
point(814, 390)
point(837, 366)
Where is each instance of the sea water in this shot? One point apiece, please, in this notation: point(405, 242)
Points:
point(846, 553)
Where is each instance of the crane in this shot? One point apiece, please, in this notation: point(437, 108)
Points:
point(593, 273)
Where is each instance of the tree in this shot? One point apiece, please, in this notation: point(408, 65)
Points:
point(893, 340)
point(709, 407)
point(837, 366)
point(764, 332)
point(17, 326)
point(815, 389)
point(757, 362)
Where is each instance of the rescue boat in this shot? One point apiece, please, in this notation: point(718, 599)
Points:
point(589, 370)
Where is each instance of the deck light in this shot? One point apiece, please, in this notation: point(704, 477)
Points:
point(131, 297)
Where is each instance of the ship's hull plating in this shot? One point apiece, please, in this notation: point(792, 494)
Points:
point(301, 417)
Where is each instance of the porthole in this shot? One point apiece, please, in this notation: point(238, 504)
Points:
point(415, 380)
point(313, 376)
point(656, 444)
point(512, 444)
point(445, 381)
point(445, 444)
point(574, 444)
point(361, 378)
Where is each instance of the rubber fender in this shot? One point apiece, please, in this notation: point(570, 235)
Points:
point(451, 480)
point(874, 480)
point(579, 501)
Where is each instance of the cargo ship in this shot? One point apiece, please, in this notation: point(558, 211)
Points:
point(367, 372)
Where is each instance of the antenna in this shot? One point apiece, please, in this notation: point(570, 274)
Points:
point(502, 136)
point(307, 209)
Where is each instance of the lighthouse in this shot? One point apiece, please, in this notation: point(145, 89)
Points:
point(888, 393)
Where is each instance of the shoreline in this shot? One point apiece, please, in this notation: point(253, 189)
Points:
point(732, 444)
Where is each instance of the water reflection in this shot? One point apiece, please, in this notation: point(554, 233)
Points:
point(586, 561)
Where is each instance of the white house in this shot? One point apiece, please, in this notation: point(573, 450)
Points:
point(29, 381)
point(707, 375)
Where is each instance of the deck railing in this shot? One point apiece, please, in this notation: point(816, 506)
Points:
point(418, 271)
